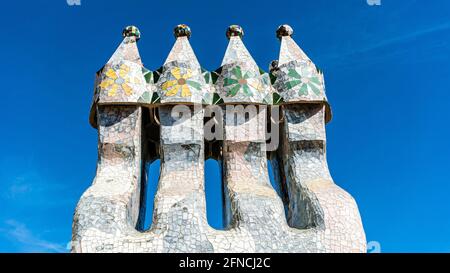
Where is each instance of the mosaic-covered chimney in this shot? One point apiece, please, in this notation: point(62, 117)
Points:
point(248, 120)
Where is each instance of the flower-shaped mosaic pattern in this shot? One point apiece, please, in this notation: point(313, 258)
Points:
point(299, 80)
point(235, 80)
point(305, 80)
point(180, 81)
point(118, 77)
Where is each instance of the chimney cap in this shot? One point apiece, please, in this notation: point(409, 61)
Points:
point(182, 30)
point(235, 30)
point(284, 30)
point(131, 31)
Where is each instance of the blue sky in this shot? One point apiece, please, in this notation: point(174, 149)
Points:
point(387, 72)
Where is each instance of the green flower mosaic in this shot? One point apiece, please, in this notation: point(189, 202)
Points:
point(306, 82)
point(237, 80)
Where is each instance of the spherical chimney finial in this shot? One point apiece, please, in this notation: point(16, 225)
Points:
point(284, 30)
point(273, 67)
point(182, 30)
point(131, 31)
point(235, 30)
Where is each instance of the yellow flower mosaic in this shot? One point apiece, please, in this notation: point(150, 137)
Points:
point(181, 82)
point(115, 78)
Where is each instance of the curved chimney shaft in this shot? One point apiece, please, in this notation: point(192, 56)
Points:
point(180, 205)
point(315, 202)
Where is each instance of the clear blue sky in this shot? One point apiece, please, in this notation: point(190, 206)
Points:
point(387, 72)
